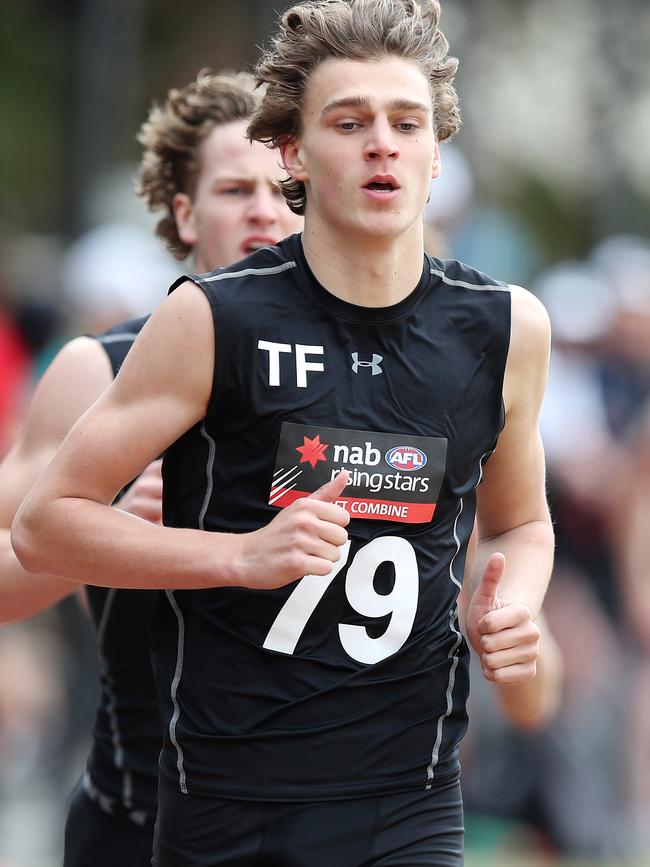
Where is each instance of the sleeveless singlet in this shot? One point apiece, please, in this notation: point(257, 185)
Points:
point(354, 684)
point(122, 769)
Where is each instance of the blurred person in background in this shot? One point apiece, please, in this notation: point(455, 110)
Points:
point(579, 782)
point(626, 260)
point(635, 558)
point(93, 277)
point(25, 326)
point(598, 387)
point(220, 199)
point(14, 373)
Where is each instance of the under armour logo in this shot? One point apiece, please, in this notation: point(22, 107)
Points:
point(374, 364)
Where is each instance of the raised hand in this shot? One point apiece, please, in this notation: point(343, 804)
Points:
point(303, 539)
point(502, 633)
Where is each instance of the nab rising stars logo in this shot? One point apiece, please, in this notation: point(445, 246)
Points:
point(406, 458)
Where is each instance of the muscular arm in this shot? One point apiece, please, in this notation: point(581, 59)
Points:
point(162, 390)
point(513, 517)
point(76, 377)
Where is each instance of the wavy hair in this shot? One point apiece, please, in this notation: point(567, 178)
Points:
point(352, 30)
point(173, 133)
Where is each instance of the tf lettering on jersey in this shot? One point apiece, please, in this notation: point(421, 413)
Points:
point(393, 477)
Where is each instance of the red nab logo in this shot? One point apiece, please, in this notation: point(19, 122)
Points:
point(406, 458)
point(312, 451)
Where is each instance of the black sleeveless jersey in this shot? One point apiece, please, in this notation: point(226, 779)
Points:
point(122, 768)
point(355, 683)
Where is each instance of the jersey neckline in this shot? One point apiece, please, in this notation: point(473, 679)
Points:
point(345, 309)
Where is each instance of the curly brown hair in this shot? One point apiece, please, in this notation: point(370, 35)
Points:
point(172, 135)
point(353, 30)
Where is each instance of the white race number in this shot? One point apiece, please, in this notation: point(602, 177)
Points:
point(401, 603)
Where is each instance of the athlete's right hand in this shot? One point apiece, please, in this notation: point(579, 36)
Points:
point(144, 497)
point(303, 539)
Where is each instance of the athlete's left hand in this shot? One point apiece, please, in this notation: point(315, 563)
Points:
point(502, 633)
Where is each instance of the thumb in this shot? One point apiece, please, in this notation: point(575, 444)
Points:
point(154, 469)
point(332, 489)
point(486, 592)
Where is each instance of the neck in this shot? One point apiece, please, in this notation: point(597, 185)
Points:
point(365, 270)
point(199, 266)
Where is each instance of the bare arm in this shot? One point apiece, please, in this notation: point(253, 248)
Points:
point(532, 704)
point(634, 539)
point(77, 376)
point(515, 537)
point(162, 390)
point(529, 704)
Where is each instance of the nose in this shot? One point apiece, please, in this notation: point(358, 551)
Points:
point(263, 207)
point(382, 142)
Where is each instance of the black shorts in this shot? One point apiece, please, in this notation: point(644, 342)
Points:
point(96, 838)
point(408, 829)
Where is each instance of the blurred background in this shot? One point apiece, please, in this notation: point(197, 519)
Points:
point(547, 185)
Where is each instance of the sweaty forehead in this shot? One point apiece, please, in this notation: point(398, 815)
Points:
point(380, 83)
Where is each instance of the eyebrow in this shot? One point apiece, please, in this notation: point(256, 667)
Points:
point(363, 102)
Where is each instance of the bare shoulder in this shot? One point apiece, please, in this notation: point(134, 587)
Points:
point(183, 314)
point(174, 353)
point(531, 327)
point(78, 375)
point(530, 346)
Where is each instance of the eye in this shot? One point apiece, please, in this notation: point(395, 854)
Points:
point(348, 125)
point(407, 126)
point(233, 191)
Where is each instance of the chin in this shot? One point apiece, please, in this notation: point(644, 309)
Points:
point(382, 226)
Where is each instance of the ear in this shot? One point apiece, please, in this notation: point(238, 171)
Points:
point(292, 160)
point(436, 164)
point(184, 218)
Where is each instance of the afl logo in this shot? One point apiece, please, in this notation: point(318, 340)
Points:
point(406, 458)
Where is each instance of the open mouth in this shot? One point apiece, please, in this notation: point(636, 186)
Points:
point(381, 187)
point(383, 184)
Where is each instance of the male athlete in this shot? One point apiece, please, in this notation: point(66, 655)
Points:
point(328, 408)
point(221, 200)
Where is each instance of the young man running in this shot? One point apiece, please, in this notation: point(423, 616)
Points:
point(221, 200)
point(314, 690)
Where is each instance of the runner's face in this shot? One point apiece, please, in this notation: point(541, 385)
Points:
point(367, 151)
point(237, 206)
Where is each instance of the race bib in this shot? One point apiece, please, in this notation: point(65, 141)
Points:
point(393, 477)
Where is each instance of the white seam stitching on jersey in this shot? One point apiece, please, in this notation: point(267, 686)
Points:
point(453, 616)
point(212, 447)
point(276, 269)
point(174, 689)
point(118, 338)
point(477, 286)
point(178, 673)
